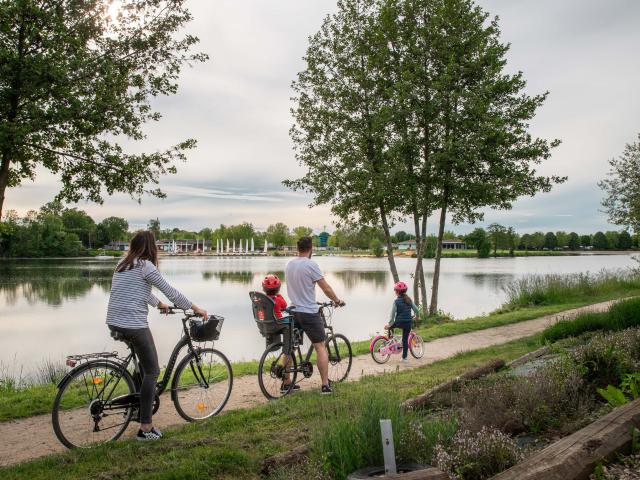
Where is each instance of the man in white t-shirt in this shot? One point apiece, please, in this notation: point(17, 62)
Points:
point(302, 275)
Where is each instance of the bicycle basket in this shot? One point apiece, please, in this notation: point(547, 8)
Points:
point(206, 331)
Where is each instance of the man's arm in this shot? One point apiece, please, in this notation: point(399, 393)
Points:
point(328, 291)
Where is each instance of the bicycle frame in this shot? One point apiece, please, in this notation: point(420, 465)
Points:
point(389, 338)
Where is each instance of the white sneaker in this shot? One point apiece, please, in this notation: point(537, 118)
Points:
point(404, 360)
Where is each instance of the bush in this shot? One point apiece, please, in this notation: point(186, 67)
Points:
point(548, 398)
point(622, 315)
point(484, 249)
point(419, 438)
point(476, 456)
point(607, 357)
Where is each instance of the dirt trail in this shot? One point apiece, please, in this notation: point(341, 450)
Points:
point(33, 437)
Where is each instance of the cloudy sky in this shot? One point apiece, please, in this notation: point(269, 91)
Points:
point(237, 106)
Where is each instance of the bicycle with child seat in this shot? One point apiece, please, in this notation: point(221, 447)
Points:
point(383, 346)
point(99, 397)
point(274, 369)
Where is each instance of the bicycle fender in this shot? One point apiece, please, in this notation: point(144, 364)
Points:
point(71, 372)
point(374, 341)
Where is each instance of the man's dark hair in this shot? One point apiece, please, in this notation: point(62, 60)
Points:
point(304, 244)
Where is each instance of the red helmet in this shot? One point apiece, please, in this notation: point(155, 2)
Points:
point(400, 287)
point(271, 282)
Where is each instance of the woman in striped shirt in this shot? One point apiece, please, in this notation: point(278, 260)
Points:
point(127, 315)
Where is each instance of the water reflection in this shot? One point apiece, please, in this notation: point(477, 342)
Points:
point(49, 283)
point(353, 279)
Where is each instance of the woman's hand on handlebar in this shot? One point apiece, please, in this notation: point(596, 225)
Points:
point(164, 308)
point(201, 312)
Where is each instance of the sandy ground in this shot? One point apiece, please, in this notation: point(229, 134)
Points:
point(33, 437)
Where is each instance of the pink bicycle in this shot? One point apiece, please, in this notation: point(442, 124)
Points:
point(383, 346)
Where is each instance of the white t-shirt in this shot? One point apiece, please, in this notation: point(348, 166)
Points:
point(301, 275)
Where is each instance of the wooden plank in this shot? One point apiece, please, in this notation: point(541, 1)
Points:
point(574, 457)
point(283, 459)
point(425, 398)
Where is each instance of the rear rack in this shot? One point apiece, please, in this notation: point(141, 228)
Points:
point(73, 360)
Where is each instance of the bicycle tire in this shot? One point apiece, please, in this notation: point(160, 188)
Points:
point(181, 369)
point(418, 350)
point(376, 355)
point(329, 345)
point(67, 382)
point(269, 380)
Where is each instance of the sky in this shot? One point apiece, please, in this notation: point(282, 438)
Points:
point(237, 105)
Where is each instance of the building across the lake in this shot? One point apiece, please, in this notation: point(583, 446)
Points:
point(454, 244)
point(168, 246)
point(118, 246)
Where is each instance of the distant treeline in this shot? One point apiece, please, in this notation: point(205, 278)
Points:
point(68, 232)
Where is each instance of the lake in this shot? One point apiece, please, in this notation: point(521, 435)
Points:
point(53, 308)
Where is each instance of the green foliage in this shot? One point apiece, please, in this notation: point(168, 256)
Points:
point(622, 188)
point(484, 250)
point(629, 390)
point(112, 229)
point(278, 234)
point(550, 241)
point(550, 289)
point(574, 241)
point(75, 83)
point(600, 241)
point(614, 396)
point(624, 240)
point(376, 247)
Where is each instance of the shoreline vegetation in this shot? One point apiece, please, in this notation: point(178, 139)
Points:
point(528, 298)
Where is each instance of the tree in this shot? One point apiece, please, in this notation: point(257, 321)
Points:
point(376, 247)
point(622, 188)
point(550, 241)
point(612, 239)
point(476, 238)
point(496, 236)
point(75, 81)
point(112, 229)
point(624, 241)
point(299, 232)
point(484, 250)
point(526, 242)
point(81, 224)
point(585, 240)
point(340, 121)
point(278, 234)
point(538, 239)
point(401, 236)
point(562, 239)
point(600, 241)
point(154, 226)
point(574, 241)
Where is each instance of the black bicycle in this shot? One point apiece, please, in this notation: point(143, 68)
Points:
point(99, 397)
point(276, 365)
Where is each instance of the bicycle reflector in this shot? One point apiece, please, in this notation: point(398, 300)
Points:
point(201, 406)
point(97, 380)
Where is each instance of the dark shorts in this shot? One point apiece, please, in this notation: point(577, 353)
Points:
point(312, 325)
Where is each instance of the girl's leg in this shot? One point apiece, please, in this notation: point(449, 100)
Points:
point(147, 355)
point(405, 340)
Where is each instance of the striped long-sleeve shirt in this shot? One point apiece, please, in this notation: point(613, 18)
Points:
point(131, 295)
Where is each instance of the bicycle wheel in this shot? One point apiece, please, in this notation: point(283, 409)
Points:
point(375, 351)
point(83, 414)
point(340, 357)
point(416, 346)
point(272, 371)
point(201, 391)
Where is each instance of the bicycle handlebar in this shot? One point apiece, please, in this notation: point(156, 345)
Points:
point(175, 309)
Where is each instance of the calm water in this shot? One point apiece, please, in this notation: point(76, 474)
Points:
point(52, 308)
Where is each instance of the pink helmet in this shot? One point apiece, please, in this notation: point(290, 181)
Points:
point(400, 287)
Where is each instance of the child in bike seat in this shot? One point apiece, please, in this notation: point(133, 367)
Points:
point(271, 287)
point(401, 315)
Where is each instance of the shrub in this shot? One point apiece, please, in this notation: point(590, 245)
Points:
point(420, 437)
point(551, 396)
point(476, 456)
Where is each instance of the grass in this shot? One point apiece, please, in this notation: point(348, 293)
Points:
point(620, 316)
point(234, 444)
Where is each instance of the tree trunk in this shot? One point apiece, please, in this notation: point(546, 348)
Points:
point(4, 179)
point(433, 308)
point(419, 255)
point(423, 283)
point(387, 237)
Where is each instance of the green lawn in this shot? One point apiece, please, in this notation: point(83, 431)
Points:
point(234, 444)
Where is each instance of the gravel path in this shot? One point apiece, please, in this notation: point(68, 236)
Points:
point(33, 437)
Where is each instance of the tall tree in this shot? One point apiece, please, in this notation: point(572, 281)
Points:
point(497, 236)
point(585, 240)
point(112, 229)
point(340, 121)
point(299, 232)
point(154, 226)
point(80, 223)
point(574, 241)
point(550, 241)
point(74, 81)
point(622, 188)
point(600, 241)
point(624, 240)
point(278, 234)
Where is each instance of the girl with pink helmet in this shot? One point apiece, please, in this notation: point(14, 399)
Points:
point(401, 315)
